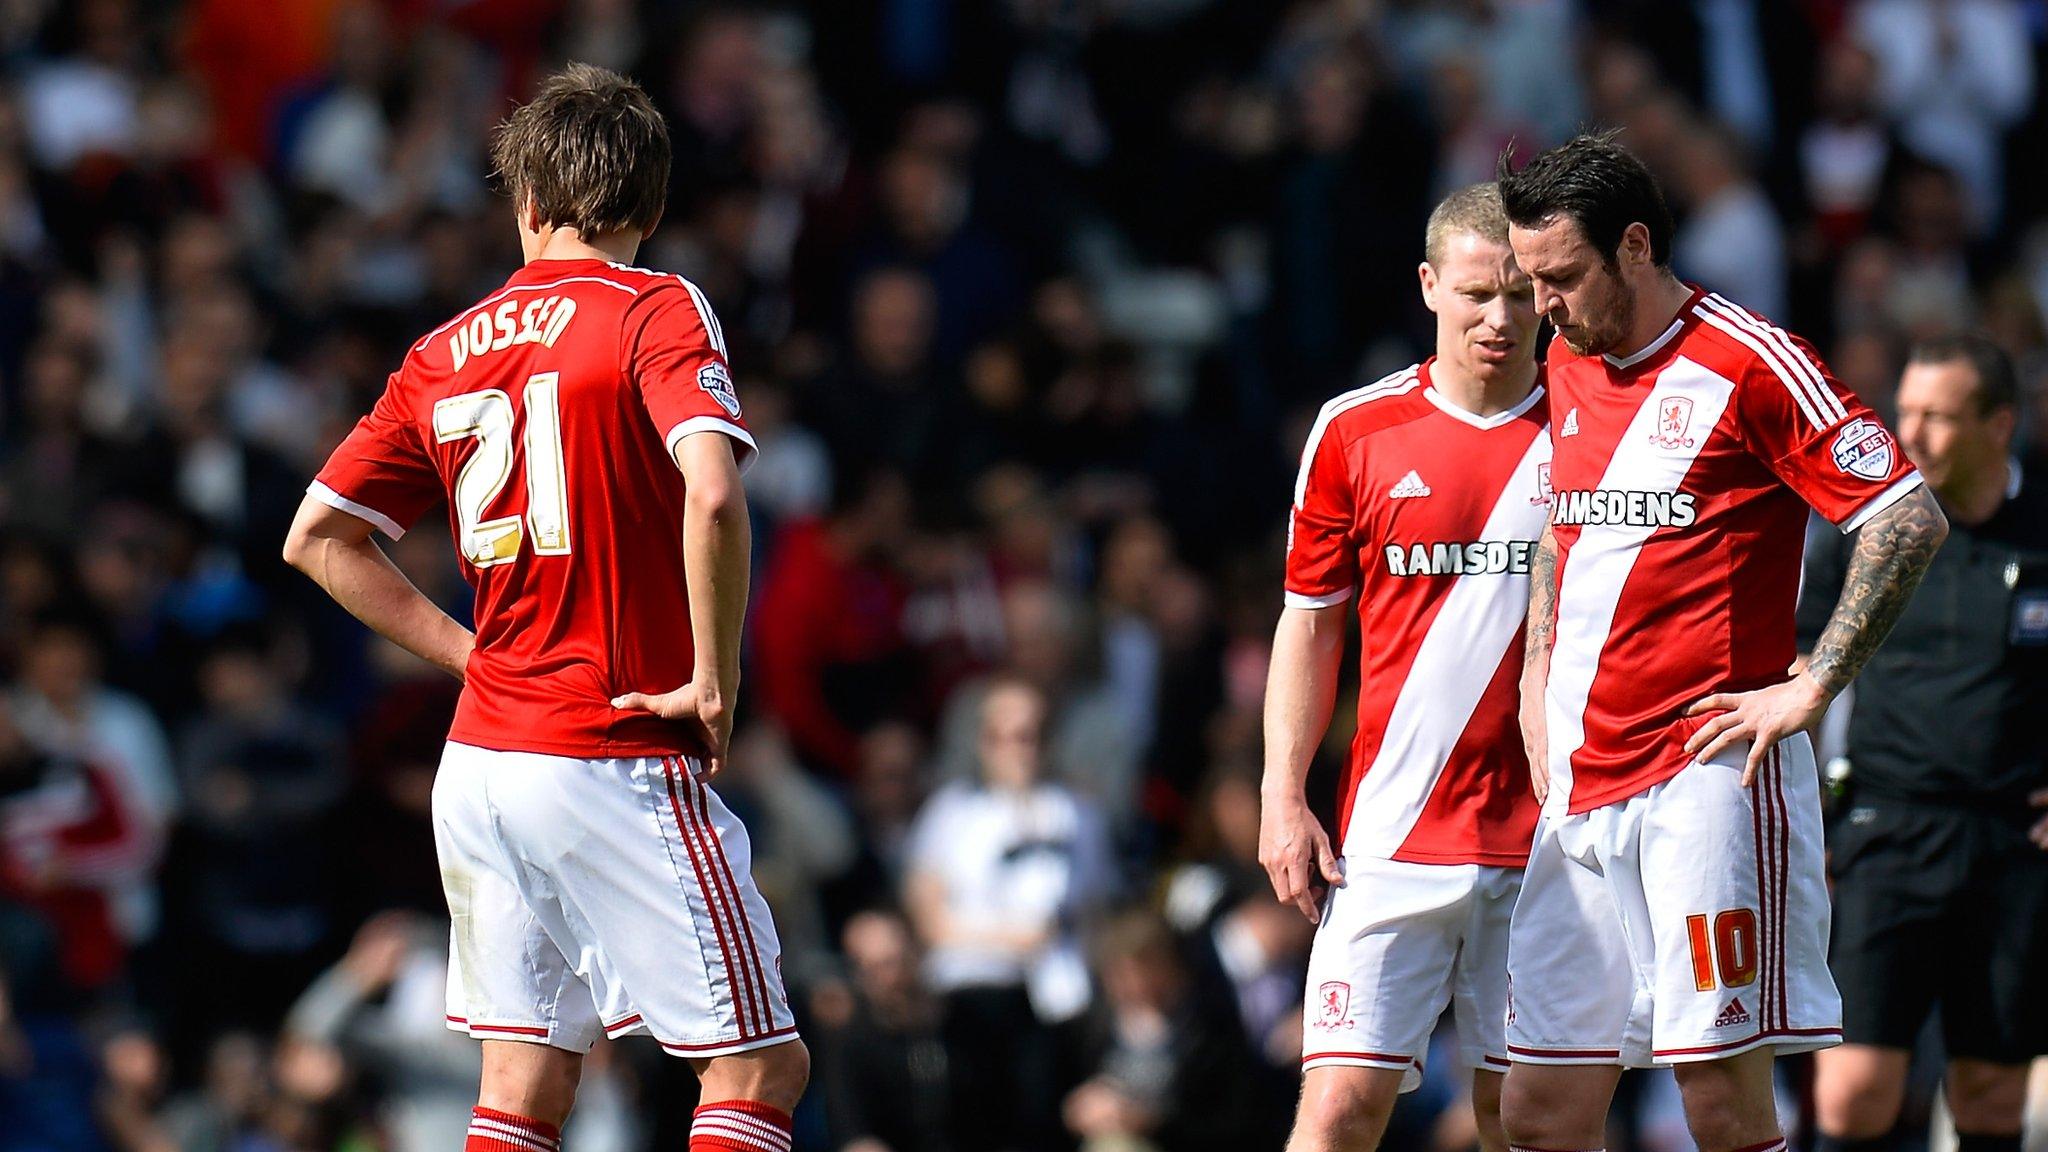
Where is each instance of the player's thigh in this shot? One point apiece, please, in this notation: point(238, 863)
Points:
point(1479, 988)
point(1571, 981)
point(654, 875)
point(1380, 968)
point(1735, 887)
point(1344, 1107)
point(1486, 1090)
point(1895, 882)
point(509, 973)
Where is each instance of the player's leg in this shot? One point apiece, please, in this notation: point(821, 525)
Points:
point(1344, 1108)
point(1570, 989)
point(1557, 1107)
point(1730, 1104)
point(1736, 906)
point(1988, 1103)
point(1379, 976)
point(510, 984)
point(1895, 875)
point(653, 870)
point(533, 1081)
point(1486, 1089)
point(1858, 1090)
point(1479, 997)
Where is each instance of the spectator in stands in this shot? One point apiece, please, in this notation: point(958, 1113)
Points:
point(887, 1082)
point(828, 647)
point(1167, 1069)
point(1002, 872)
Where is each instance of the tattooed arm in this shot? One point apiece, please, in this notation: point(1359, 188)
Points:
point(1889, 555)
point(1541, 636)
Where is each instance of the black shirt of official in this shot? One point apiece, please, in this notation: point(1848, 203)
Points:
point(1951, 709)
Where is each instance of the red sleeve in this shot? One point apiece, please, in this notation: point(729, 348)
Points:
point(675, 354)
point(1322, 557)
point(382, 472)
point(1820, 438)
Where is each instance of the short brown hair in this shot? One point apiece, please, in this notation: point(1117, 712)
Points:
point(589, 151)
point(1997, 379)
point(1474, 208)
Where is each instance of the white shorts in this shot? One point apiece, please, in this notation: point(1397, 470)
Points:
point(1398, 942)
point(599, 898)
point(1688, 922)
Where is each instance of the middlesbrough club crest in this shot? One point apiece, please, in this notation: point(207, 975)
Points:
point(1335, 998)
point(1674, 421)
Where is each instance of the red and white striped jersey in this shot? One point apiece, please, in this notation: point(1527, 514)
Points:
point(547, 415)
point(1682, 476)
point(1429, 514)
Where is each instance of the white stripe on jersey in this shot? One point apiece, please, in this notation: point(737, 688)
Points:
point(712, 328)
point(1793, 367)
point(1453, 666)
point(1400, 382)
point(1802, 365)
point(1598, 566)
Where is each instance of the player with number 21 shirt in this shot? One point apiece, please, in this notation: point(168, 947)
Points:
point(582, 425)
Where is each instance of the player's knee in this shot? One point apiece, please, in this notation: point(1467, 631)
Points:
point(774, 1076)
point(1345, 1108)
point(1856, 1103)
point(1986, 1098)
point(1486, 1089)
point(1729, 1103)
point(1538, 1111)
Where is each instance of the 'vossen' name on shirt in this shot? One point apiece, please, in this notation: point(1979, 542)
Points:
point(1621, 507)
point(539, 322)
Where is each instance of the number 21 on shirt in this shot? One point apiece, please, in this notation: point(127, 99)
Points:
point(488, 417)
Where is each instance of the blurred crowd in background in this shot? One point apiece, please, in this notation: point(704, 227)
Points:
point(1030, 304)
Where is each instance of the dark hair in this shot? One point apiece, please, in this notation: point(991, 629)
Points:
point(1997, 381)
point(1594, 181)
point(590, 152)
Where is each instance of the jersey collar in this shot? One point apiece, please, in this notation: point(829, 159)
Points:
point(1450, 407)
point(1663, 341)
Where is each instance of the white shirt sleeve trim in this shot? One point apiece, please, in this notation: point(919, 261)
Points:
point(1883, 500)
point(1330, 600)
point(748, 450)
point(336, 500)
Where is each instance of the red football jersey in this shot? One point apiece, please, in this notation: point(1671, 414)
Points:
point(547, 414)
point(1683, 475)
point(1429, 514)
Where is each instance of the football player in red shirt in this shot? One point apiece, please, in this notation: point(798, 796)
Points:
point(1674, 911)
point(582, 425)
point(1421, 497)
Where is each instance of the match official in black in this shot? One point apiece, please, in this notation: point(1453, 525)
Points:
point(1940, 854)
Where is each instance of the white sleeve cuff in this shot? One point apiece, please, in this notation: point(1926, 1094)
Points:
point(1328, 600)
point(1883, 500)
point(336, 500)
point(745, 451)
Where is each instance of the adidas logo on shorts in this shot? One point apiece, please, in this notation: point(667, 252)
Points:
point(1409, 486)
point(1732, 1013)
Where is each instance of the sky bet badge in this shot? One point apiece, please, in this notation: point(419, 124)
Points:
point(1863, 448)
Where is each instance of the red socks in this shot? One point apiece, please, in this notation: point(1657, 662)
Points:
point(738, 1126)
point(491, 1131)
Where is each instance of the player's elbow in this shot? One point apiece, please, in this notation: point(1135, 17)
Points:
point(718, 498)
point(300, 548)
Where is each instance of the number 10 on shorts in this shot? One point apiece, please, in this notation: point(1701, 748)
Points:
point(1728, 950)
